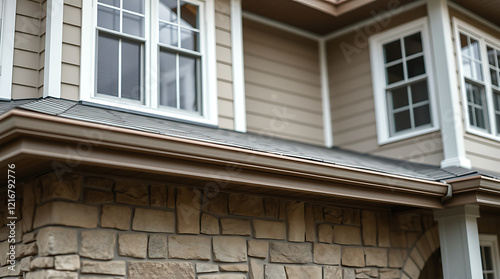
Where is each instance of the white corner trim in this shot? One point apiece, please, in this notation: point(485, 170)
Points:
point(53, 49)
point(7, 47)
point(446, 84)
point(240, 121)
point(325, 94)
point(212, 116)
point(86, 53)
point(281, 26)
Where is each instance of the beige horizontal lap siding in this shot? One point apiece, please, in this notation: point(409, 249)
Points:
point(70, 64)
point(352, 101)
point(224, 64)
point(483, 153)
point(27, 75)
point(282, 84)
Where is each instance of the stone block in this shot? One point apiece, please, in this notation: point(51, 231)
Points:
point(416, 257)
point(283, 252)
point(97, 197)
point(385, 273)
point(234, 267)
point(318, 213)
point(310, 224)
point(189, 247)
point(369, 225)
point(67, 262)
point(29, 237)
point(66, 214)
point(28, 206)
point(171, 196)
point(232, 226)
point(23, 250)
point(258, 248)
point(25, 263)
point(332, 272)
point(351, 216)
point(327, 254)
point(333, 214)
point(56, 241)
point(282, 210)
point(411, 269)
point(158, 195)
point(108, 267)
point(383, 229)
point(269, 229)
point(275, 272)
point(411, 238)
point(272, 207)
point(209, 224)
point(116, 217)
point(229, 249)
point(224, 276)
point(188, 210)
point(353, 256)
point(99, 183)
point(347, 235)
point(133, 245)
point(398, 239)
point(295, 219)
point(215, 204)
point(157, 246)
point(424, 248)
point(256, 269)
point(366, 273)
point(152, 220)
point(164, 270)
point(301, 272)
point(206, 268)
point(325, 233)
point(397, 257)
point(132, 192)
point(42, 263)
point(98, 244)
point(376, 257)
point(68, 187)
point(246, 205)
point(52, 274)
point(349, 274)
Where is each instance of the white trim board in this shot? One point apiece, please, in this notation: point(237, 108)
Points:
point(238, 66)
point(7, 32)
point(53, 49)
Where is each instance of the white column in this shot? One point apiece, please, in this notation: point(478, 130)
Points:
point(53, 49)
point(240, 121)
point(459, 239)
point(447, 85)
point(325, 94)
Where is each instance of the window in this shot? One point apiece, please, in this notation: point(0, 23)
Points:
point(7, 23)
point(489, 256)
point(402, 81)
point(479, 59)
point(154, 56)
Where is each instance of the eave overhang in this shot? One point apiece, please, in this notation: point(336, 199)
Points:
point(29, 136)
point(476, 189)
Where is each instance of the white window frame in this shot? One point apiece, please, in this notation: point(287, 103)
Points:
point(151, 103)
point(378, 75)
point(484, 39)
point(492, 241)
point(7, 32)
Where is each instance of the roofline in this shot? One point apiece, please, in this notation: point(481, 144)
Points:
point(25, 133)
point(477, 189)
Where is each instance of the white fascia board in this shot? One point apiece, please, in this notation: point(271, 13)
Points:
point(240, 122)
point(53, 49)
point(7, 48)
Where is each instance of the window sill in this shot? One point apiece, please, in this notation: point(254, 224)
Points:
point(144, 110)
point(408, 135)
point(482, 134)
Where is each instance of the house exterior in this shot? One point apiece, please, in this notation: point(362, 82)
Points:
point(250, 139)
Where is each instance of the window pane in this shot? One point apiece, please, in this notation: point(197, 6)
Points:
point(134, 6)
point(491, 56)
point(188, 85)
point(413, 44)
point(488, 258)
point(489, 276)
point(474, 45)
point(402, 120)
point(496, 100)
point(168, 34)
point(422, 115)
point(107, 65)
point(168, 84)
point(494, 77)
point(419, 92)
point(480, 121)
point(497, 116)
point(466, 63)
point(464, 44)
point(108, 18)
point(131, 70)
point(189, 15)
point(392, 51)
point(115, 3)
point(168, 10)
point(395, 73)
point(189, 39)
point(416, 67)
point(399, 97)
point(478, 72)
point(133, 25)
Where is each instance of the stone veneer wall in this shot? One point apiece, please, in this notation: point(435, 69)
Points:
point(95, 227)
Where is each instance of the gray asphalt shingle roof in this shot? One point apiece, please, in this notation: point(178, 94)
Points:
point(262, 143)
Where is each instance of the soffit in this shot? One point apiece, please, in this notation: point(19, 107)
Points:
point(488, 9)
